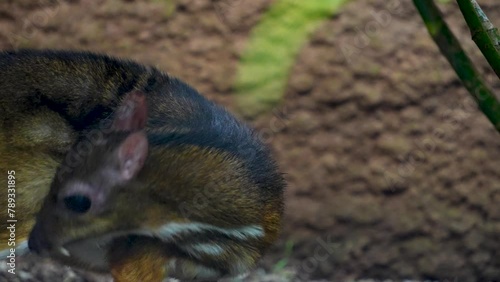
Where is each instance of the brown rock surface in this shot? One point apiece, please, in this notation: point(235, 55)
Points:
point(392, 171)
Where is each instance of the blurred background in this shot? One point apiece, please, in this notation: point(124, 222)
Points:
point(392, 171)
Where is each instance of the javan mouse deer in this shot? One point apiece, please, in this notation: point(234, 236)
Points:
point(152, 179)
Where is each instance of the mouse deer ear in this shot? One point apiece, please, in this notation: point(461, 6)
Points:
point(131, 115)
point(132, 153)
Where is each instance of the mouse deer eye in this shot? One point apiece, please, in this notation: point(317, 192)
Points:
point(77, 203)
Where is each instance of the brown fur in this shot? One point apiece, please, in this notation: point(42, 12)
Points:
point(49, 100)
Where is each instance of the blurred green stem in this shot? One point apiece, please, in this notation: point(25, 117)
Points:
point(483, 32)
point(451, 49)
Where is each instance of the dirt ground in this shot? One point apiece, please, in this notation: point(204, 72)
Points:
point(392, 170)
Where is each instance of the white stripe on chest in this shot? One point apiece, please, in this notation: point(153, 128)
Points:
point(169, 231)
point(21, 249)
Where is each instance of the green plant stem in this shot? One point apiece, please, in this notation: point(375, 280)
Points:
point(484, 34)
point(451, 49)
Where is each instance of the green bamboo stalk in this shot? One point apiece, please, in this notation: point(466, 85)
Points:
point(456, 56)
point(484, 34)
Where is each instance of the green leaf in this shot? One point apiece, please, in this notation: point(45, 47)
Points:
point(272, 49)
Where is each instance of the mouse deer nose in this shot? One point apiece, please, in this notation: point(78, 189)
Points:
point(37, 241)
